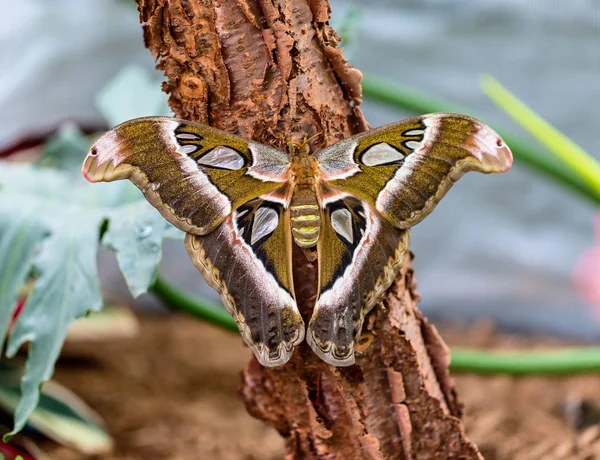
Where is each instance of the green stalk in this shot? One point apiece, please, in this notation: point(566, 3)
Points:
point(564, 361)
point(178, 300)
point(525, 152)
point(585, 166)
point(550, 362)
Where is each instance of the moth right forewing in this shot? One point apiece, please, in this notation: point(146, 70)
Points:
point(405, 168)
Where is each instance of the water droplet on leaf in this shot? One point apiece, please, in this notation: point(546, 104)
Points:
point(144, 232)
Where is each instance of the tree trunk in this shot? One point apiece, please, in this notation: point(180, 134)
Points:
point(269, 70)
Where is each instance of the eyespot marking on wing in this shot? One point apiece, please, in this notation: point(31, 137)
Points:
point(413, 145)
point(222, 157)
point(414, 132)
point(265, 223)
point(381, 154)
point(187, 149)
point(188, 136)
point(341, 221)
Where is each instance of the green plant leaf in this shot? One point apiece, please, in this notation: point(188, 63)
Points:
point(50, 224)
point(19, 226)
point(131, 94)
point(67, 288)
point(61, 415)
point(581, 163)
point(135, 234)
point(63, 150)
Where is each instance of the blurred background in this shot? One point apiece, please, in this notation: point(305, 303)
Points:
point(504, 250)
point(501, 247)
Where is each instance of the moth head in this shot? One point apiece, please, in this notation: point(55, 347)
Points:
point(302, 148)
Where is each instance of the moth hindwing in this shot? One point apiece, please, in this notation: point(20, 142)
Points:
point(244, 205)
point(247, 259)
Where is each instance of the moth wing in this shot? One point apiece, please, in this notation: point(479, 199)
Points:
point(248, 260)
point(405, 168)
point(359, 256)
point(193, 174)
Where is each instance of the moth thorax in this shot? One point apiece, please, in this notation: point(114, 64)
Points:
point(306, 217)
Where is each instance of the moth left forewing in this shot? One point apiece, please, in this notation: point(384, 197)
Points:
point(359, 255)
point(187, 170)
point(405, 168)
point(248, 260)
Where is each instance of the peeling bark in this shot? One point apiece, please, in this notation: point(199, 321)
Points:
point(270, 70)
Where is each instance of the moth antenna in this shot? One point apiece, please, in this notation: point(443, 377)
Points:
point(306, 141)
point(294, 144)
point(293, 147)
point(300, 146)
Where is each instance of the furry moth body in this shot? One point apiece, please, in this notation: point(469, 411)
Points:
point(244, 204)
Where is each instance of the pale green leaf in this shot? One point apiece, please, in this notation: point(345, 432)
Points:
point(66, 288)
point(135, 234)
point(63, 150)
point(61, 415)
point(50, 223)
point(19, 227)
point(131, 94)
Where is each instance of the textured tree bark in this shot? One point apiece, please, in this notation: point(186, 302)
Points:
point(269, 70)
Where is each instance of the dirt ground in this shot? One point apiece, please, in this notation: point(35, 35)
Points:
point(171, 393)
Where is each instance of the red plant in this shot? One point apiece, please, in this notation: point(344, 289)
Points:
point(12, 452)
point(17, 311)
point(587, 274)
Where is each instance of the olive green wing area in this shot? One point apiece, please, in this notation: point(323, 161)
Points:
point(359, 255)
point(405, 168)
point(248, 260)
point(193, 174)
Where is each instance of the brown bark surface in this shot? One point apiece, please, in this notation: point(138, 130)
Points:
point(270, 70)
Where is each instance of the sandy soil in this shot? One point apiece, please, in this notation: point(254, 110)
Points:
point(171, 393)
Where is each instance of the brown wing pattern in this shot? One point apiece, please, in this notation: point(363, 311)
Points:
point(232, 196)
point(380, 183)
point(248, 260)
point(193, 174)
point(405, 168)
point(359, 256)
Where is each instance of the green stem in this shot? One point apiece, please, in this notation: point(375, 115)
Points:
point(584, 165)
point(564, 361)
point(554, 362)
point(178, 300)
point(526, 152)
